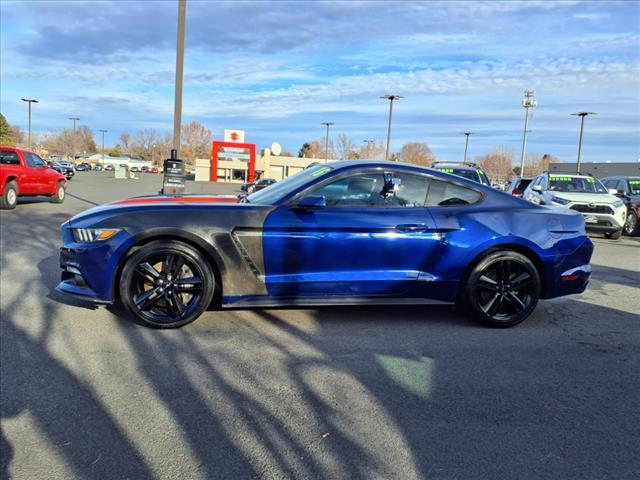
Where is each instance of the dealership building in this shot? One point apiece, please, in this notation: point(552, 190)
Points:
point(232, 160)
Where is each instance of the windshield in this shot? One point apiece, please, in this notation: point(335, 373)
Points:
point(569, 184)
point(634, 186)
point(275, 192)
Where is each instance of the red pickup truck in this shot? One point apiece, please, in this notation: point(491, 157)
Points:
point(24, 173)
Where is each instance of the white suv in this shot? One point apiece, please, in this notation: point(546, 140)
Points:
point(603, 212)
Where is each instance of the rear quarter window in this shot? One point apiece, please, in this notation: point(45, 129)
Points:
point(7, 157)
point(444, 194)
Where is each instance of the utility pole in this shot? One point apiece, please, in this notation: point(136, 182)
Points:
point(368, 150)
point(527, 102)
point(326, 141)
point(30, 101)
point(391, 98)
point(581, 115)
point(74, 140)
point(466, 144)
point(103, 132)
point(177, 110)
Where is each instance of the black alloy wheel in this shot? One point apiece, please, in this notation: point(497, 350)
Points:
point(167, 284)
point(503, 289)
point(631, 225)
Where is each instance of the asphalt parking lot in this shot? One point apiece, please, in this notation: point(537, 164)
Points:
point(367, 392)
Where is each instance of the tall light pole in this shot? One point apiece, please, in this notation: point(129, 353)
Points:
point(326, 141)
point(103, 132)
point(581, 115)
point(74, 119)
point(466, 144)
point(527, 102)
point(177, 104)
point(369, 142)
point(73, 144)
point(391, 98)
point(30, 101)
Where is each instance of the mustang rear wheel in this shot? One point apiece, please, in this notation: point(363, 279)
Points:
point(166, 284)
point(502, 289)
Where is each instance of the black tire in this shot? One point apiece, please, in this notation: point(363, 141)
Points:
point(613, 235)
point(60, 194)
point(631, 226)
point(153, 287)
point(9, 199)
point(502, 289)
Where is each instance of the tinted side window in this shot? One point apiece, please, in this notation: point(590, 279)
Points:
point(410, 192)
point(8, 157)
point(354, 191)
point(30, 160)
point(372, 190)
point(34, 160)
point(442, 194)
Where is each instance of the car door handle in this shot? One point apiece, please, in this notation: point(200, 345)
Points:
point(411, 227)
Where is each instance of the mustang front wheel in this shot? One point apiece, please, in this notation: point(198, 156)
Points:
point(503, 289)
point(166, 284)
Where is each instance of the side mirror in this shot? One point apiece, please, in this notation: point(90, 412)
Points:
point(537, 188)
point(312, 201)
point(613, 191)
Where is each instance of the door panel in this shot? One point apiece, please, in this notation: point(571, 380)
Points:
point(348, 251)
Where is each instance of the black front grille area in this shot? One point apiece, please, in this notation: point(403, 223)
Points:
point(595, 209)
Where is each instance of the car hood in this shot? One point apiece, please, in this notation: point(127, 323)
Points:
point(153, 202)
point(585, 197)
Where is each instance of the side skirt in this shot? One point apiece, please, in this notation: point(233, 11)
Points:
point(253, 302)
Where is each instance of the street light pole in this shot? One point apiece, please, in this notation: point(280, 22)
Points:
point(369, 142)
point(30, 101)
point(73, 144)
point(391, 98)
point(177, 110)
point(466, 144)
point(103, 132)
point(581, 115)
point(527, 102)
point(326, 141)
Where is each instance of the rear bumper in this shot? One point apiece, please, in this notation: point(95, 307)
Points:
point(568, 274)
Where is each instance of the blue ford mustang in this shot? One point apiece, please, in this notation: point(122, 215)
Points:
point(340, 233)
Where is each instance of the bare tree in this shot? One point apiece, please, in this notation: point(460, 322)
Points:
point(125, 142)
point(196, 141)
point(315, 149)
point(497, 164)
point(372, 151)
point(143, 141)
point(417, 153)
point(346, 148)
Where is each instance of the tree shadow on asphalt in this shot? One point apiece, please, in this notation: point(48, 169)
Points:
point(354, 392)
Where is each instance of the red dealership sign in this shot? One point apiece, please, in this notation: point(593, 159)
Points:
point(233, 150)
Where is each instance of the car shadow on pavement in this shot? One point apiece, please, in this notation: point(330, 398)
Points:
point(341, 392)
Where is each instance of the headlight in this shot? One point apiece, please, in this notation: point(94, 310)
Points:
point(560, 201)
point(89, 235)
point(618, 203)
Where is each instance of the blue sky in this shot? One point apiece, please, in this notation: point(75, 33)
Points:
point(278, 70)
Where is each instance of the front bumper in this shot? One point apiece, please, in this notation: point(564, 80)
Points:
point(89, 269)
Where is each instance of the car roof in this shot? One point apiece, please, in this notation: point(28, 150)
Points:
point(360, 164)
